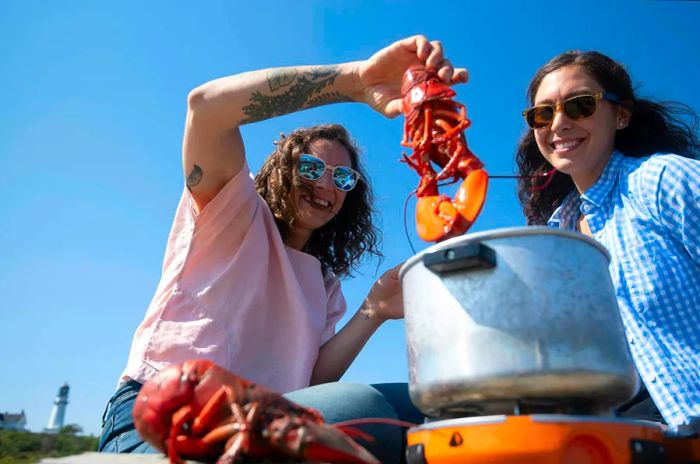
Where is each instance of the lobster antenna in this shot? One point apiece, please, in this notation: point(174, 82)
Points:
point(405, 220)
point(549, 174)
point(374, 420)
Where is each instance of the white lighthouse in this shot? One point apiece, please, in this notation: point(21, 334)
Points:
point(58, 413)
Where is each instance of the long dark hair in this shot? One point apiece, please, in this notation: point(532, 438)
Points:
point(654, 127)
point(341, 243)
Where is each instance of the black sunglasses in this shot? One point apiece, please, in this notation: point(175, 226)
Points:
point(575, 108)
point(312, 169)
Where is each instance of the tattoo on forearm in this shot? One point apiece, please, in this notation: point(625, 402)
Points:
point(278, 78)
point(195, 176)
point(321, 72)
point(305, 92)
point(328, 97)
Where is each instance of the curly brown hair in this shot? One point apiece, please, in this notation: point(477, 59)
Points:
point(655, 127)
point(342, 242)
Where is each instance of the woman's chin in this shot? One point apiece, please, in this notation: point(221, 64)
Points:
point(311, 223)
point(564, 165)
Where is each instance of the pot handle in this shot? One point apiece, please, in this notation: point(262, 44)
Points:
point(471, 257)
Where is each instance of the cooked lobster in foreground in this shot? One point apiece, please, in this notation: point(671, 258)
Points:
point(198, 410)
point(434, 128)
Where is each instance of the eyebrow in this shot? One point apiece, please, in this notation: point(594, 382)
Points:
point(574, 93)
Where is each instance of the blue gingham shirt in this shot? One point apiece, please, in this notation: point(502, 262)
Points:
point(646, 212)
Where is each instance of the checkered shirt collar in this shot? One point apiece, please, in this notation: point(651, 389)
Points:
point(599, 191)
point(564, 217)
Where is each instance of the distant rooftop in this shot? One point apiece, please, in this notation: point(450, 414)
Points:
point(13, 421)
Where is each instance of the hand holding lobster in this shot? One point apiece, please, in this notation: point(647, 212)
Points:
point(201, 411)
point(434, 128)
point(379, 78)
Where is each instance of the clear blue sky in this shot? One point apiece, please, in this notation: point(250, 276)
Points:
point(91, 118)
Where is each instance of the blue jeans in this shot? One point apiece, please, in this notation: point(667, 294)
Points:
point(337, 401)
point(119, 434)
point(341, 401)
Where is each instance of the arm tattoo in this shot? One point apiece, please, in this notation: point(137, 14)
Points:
point(195, 176)
point(306, 91)
point(278, 78)
point(328, 97)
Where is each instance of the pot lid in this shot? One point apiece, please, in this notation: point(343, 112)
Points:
point(507, 232)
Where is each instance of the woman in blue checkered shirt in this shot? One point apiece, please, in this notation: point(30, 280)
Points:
point(627, 174)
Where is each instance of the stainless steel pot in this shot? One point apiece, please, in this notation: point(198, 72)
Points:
point(514, 316)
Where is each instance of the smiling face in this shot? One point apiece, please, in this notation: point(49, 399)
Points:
point(319, 201)
point(580, 148)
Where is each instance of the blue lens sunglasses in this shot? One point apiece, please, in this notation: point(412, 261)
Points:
point(312, 169)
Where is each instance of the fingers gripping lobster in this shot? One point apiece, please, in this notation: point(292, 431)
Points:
point(434, 127)
point(198, 410)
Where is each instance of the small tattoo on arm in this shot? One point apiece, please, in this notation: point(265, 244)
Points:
point(194, 177)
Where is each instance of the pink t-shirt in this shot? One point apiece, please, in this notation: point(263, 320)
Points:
point(233, 293)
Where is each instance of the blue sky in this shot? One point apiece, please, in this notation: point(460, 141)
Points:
point(93, 106)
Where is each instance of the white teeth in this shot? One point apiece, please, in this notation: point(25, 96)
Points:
point(318, 201)
point(564, 145)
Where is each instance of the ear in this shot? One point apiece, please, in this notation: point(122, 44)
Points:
point(623, 117)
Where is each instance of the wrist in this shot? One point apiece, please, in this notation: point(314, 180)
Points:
point(369, 312)
point(350, 83)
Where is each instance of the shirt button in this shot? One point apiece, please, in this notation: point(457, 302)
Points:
point(586, 208)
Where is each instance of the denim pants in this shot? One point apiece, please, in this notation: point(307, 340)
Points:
point(337, 401)
point(119, 434)
point(341, 401)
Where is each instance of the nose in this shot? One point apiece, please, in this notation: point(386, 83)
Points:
point(560, 121)
point(326, 180)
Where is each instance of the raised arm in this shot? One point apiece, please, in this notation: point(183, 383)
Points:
point(213, 150)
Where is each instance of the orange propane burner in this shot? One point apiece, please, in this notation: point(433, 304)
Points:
point(548, 439)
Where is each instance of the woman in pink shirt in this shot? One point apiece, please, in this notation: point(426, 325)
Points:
point(250, 270)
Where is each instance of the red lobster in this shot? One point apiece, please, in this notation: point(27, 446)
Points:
point(433, 128)
point(198, 410)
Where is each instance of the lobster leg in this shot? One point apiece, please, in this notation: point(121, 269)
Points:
point(214, 411)
point(450, 131)
point(215, 420)
point(438, 218)
point(180, 418)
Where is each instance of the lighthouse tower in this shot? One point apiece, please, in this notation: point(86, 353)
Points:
point(58, 413)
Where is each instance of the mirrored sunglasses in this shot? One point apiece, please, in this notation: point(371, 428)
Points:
point(312, 169)
point(575, 108)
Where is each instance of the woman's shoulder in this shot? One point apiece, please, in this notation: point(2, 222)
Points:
point(329, 278)
point(660, 169)
point(663, 184)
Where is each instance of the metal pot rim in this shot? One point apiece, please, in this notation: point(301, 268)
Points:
point(505, 232)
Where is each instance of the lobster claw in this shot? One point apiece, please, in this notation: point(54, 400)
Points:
point(439, 218)
point(322, 443)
